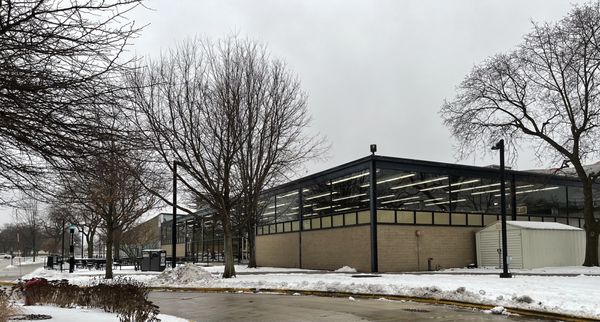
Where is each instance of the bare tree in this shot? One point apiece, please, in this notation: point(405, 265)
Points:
point(27, 214)
point(68, 208)
point(189, 109)
point(58, 60)
point(230, 115)
point(545, 92)
point(54, 228)
point(106, 187)
point(275, 142)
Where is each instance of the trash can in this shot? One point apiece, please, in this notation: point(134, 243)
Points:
point(154, 260)
point(51, 261)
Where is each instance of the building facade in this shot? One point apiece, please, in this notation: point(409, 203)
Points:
point(384, 214)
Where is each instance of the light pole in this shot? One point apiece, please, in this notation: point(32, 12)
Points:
point(505, 273)
point(174, 222)
point(62, 251)
point(71, 250)
point(81, 243)
point(373, 209)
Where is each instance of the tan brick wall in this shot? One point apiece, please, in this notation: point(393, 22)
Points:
point(179, 250)
point(279, 250)
point(448, 246)
point(334, 248)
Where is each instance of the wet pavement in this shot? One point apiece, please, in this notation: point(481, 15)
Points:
point(13, 273)
point(197, 306)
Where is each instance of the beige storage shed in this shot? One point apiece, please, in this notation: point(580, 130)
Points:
point(531, 245)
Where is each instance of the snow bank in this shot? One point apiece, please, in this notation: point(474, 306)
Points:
point(183, 276)
point(346, 269)
point(82, 314)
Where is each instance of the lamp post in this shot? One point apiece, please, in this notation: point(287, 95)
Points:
point(71, 250)
point(174, 222)
point(62, 251)
point(373, 209)
point(505, 273)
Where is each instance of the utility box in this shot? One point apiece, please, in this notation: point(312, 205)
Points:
point(154, 260)
point(531, 245)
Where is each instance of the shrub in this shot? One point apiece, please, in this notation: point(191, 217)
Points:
point(127, 298)
point(6, 309)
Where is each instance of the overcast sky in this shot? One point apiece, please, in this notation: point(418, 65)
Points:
point(374, 71)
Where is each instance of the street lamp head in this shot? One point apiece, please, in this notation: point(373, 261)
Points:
point(499, 145)
point(373, 148)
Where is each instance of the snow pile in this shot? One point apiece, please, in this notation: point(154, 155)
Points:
point(188, 274)
point(83, 314)
point(346, 269)
point(496, 310)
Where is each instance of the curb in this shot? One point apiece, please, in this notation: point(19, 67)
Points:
point(523, 312)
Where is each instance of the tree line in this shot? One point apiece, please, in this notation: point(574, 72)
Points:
point(96, 135)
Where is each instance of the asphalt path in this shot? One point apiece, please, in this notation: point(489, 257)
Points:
point(197, 306)
point(15, 272)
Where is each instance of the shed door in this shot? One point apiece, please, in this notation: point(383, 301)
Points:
point(490, 250)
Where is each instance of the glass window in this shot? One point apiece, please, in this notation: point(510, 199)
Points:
point(411, 190)
point(343, 194)
point(534, 199)
point(471, 194)
point(286, 206)
point(267, 210)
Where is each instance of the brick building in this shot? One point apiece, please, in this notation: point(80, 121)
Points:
point(384, 214)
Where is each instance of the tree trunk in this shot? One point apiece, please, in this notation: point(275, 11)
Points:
point(252, 244)
point(592, 227)
point(90, 244)
point(109, 251)
point(229, 270)
point(117, 243)
point(33, 240)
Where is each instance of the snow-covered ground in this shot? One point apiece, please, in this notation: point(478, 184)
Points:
point(82, 314)
point(245, 269)
point(574, 295)
point(571, 270)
